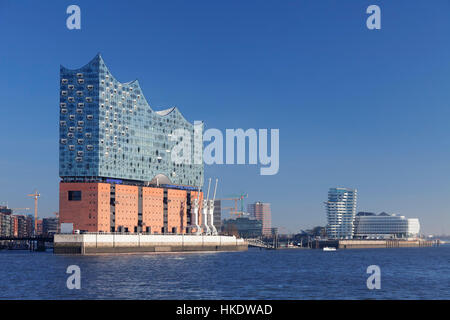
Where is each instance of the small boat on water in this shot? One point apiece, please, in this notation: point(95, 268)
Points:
point(329, 249)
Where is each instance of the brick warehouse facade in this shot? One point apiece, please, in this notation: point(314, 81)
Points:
point(106, 207)
point(115, 157)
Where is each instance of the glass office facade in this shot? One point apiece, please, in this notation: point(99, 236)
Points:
point(108, 130)
point(341, 212)
point(386, 226)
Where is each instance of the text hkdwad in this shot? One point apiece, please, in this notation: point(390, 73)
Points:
point(225, 309)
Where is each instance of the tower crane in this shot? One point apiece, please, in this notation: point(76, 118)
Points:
point(236, 198)
point(35, 195)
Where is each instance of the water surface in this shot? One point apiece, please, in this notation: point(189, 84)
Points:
point(406, 273)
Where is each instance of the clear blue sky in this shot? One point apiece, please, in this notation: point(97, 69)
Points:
point(355, 108)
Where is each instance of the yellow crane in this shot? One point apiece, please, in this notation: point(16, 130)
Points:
point(231, 209)
point(35, 195)
point(234, 211)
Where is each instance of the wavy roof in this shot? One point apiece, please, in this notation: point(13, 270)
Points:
point(98, 59)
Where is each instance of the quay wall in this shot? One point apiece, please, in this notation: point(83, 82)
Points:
point(135, 243)
point(361, 244)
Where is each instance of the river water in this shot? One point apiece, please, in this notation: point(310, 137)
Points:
point(406, 273)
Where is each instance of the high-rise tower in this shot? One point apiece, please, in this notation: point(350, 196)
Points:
point(261, 211)
point(341, 212)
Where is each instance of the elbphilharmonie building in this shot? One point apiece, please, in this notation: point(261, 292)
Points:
point(115, 163)
point(108, 130)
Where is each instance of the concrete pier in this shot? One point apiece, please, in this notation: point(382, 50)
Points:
point(361, 244)
point(135, 243)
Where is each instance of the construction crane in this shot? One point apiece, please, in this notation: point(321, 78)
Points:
point(241, 197)
point(19, 209)
point(35, 195)
point(7, 207)
point(234, 211)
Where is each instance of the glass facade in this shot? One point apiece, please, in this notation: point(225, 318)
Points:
point(385, 226)
point(341, 212)
point(108, 130)
point(245, 227)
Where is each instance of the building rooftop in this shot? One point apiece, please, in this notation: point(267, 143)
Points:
point(108, 130)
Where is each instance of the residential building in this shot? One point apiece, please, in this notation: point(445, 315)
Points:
point(20, 226)
point(341, 212)
point(39, 227)
point(5, 225)
point(261, 211)
point(29, 225)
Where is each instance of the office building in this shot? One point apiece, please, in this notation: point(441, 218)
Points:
point(5, 225)
point(21, 225)
point(341, 212)
point(50, 226)
point(5, 221)
point(385, 226)
point(244, 227)
point(39, 226)
point(5, 210)
point(261, 212)
point(15, 225)
point(29, 225)
point(115, 164)
point(217, 214)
